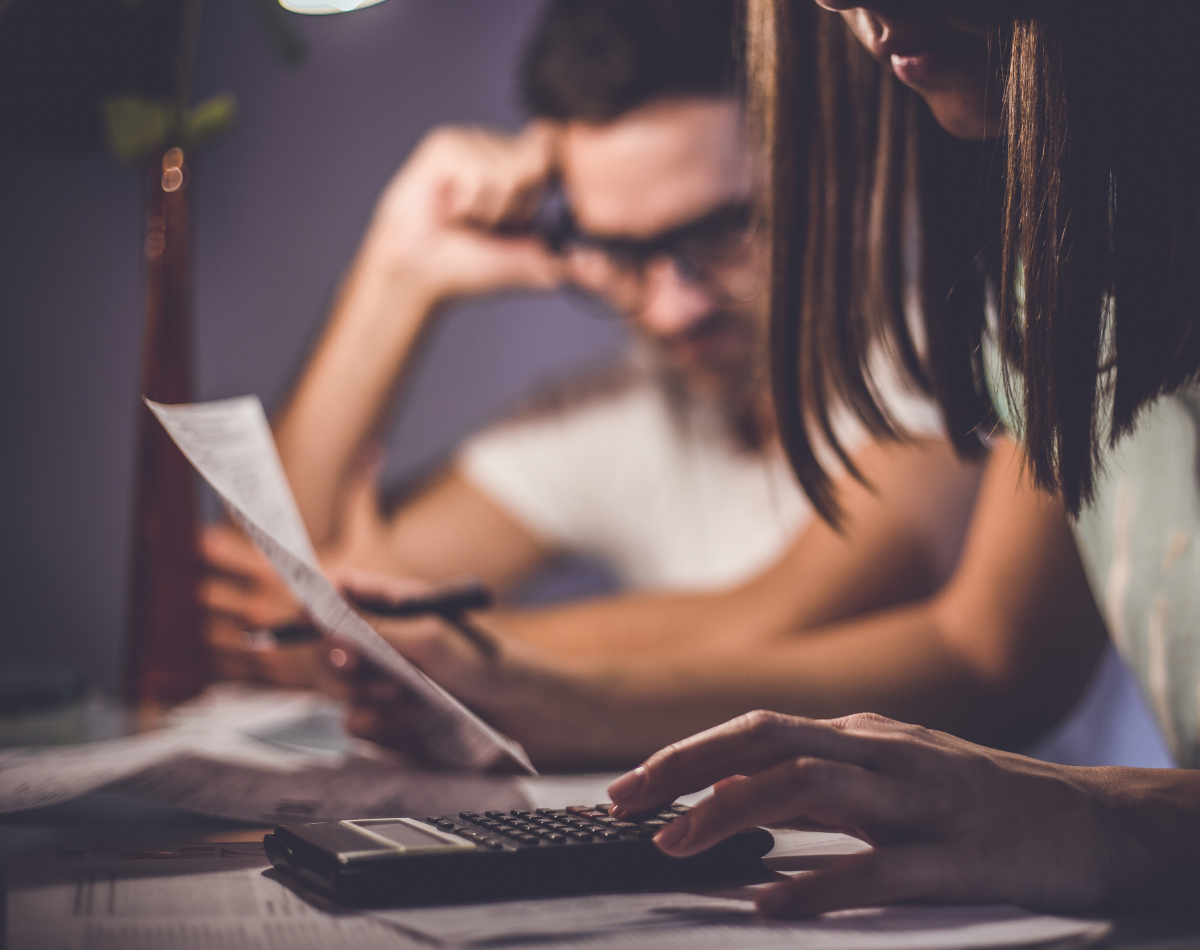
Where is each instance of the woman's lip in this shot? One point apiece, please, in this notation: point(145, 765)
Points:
point(919, 65)
point(913, 69)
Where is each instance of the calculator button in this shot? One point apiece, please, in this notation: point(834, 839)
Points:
point(553, 837)
point(655, 825)
point(625, 826)
point(446, 825)
point(528, 839)
point(592, 814)
point(559, 827)
point(680, 809)
point(576, 809)
point(516, 813)
point(496, 814)
point(545, 811)
point(468, 815)
point(644, 832)
point(607, 835)
point(580, 835)
point(604, 807)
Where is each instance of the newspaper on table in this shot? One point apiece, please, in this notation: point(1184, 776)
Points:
point(226, 896)
point(720, 919)
point(173, 900)
point(252, 753)
point(230, 443)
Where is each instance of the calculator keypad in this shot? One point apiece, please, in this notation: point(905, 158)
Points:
point(575, 825)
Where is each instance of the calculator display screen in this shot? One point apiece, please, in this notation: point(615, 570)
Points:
point(404, 834)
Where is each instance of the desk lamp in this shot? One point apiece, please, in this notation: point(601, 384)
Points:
point(326, 6)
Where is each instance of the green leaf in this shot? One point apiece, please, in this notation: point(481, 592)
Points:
point(210, 120)
point(136, 125)
point(286, 42)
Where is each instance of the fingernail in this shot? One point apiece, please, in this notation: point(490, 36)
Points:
point(628, 784)
point(674, 833)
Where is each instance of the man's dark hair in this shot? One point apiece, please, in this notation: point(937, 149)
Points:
point(595, 60)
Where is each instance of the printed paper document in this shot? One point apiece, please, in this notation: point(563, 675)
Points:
point(229, 442)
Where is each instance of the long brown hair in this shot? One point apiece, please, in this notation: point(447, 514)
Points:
point(1089, 203)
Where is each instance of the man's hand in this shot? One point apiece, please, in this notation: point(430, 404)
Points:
point(454, 221)
point(240, 584)
point(949, 820)
point(240, 594)
point(516, 688)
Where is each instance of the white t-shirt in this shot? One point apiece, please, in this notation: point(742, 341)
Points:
point(661, 493)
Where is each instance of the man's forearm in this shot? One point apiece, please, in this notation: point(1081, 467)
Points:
point(344, 392)
point(899, 664)
point(899, 544)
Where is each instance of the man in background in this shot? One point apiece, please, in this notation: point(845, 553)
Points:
point(631, 182)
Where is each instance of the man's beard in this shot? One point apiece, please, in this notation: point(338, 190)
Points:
point(732, 383)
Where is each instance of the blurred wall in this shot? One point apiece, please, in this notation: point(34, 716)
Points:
point(280, 205)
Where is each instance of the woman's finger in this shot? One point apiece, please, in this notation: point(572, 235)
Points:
point(883, 876)
point(831, 793)
point(745, 745)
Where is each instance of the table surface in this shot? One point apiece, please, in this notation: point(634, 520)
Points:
point(111, 819)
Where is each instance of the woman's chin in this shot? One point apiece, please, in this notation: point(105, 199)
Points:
point(963, 115)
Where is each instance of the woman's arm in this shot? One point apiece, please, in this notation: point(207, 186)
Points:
point(949, 821)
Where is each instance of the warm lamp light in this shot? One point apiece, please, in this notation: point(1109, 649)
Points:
point(326, 6)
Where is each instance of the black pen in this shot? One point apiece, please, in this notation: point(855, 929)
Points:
point(450, 602)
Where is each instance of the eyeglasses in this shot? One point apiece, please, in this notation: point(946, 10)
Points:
point(714, 250)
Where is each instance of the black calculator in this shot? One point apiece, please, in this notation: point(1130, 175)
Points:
point(397, 862)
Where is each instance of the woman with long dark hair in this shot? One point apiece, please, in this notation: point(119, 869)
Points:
point(1007, 196)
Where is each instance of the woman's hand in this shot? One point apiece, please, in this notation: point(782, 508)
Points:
point(949, 820)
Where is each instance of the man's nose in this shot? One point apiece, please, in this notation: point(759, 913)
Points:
point(671, 304)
